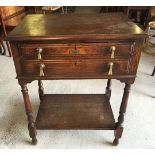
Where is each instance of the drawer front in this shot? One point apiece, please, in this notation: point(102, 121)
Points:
point(49, 51)
point(118, 50)
point(75, 68)
point(100, 50)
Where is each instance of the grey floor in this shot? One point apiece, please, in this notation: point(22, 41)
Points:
point(139, 121)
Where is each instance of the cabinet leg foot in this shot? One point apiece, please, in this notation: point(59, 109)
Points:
point(118, 134)
point(32, 129)
point(34, 141)
point(115, 142)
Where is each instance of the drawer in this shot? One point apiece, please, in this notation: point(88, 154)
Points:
point(75, 68)
point(98, 50)
point(106, 50)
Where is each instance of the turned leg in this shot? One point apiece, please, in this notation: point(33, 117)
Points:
point(31, 123)
point(153, 71)
point(119, 125)
point(40, 90)
point(9, 49)
point(108, 88)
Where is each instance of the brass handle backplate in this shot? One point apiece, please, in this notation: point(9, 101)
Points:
point(42, 66)
point(110, 66)
point(112, 50)
point(39, 50)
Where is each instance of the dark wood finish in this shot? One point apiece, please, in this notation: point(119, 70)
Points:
point(108, 88)
point(119, 125)
point(72, 27)
point(98, 50)
point(75, 68)
point(72, 46)
point(153, 73)
point(31, 124)
point(75, 111)
point(41, 89)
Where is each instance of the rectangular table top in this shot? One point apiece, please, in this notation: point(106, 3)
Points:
point(77, 26)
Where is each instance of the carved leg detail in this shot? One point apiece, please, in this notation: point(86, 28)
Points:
point(31, 123)
point(108, 88)
point(41, 90)
point(119, 125)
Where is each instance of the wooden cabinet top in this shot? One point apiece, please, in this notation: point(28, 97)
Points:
point(75, 27)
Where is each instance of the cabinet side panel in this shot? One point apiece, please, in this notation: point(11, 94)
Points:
point(16, 58)
point(136, 56)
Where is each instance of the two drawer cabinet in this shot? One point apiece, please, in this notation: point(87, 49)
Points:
point(76, 60)
point(51, 47)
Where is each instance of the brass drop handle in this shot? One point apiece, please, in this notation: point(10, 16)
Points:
point(110, 65)
point(42, 66)
point(39, 50)
point(112, 50)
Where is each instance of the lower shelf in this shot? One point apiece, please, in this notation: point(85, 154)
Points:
point(75, 111)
